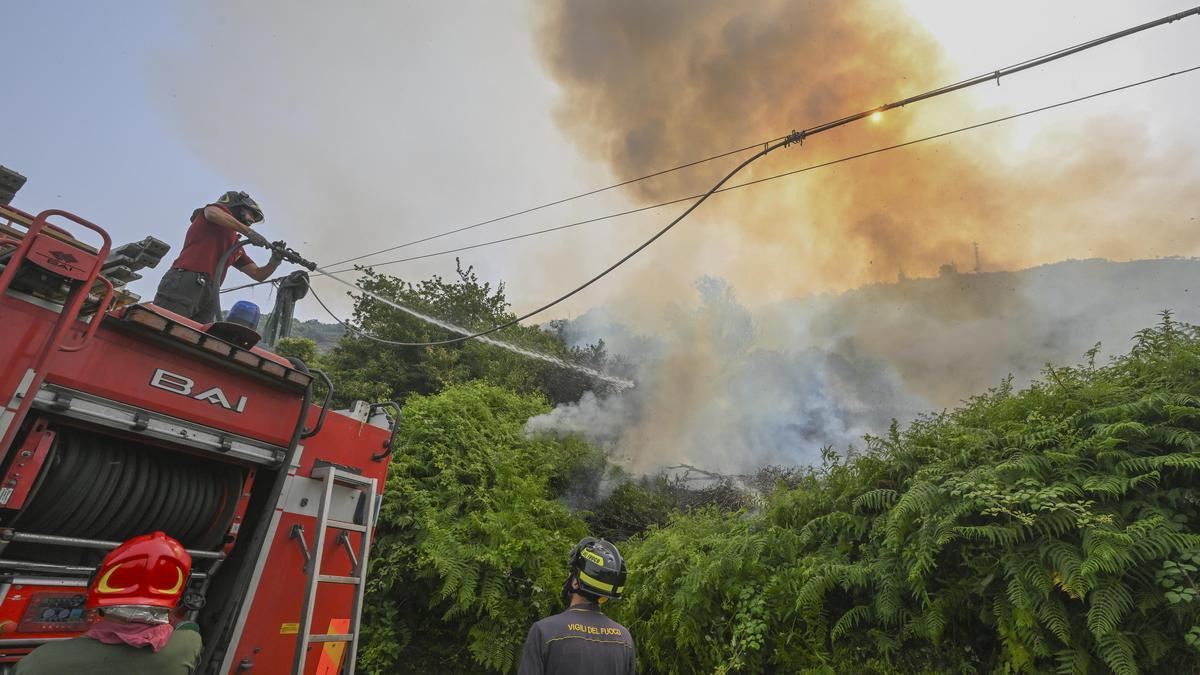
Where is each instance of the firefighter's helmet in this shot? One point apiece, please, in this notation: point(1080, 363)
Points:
point(599, 568)
point(234, 199)
point(149, 570)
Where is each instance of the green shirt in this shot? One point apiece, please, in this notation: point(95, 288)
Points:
point(85, 655)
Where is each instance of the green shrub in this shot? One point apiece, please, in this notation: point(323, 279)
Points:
point(471, 543)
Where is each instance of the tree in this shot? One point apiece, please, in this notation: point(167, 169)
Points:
point(364, 368)
point(300, 348)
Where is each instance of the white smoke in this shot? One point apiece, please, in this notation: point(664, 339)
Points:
point(730, 390)
point(601, 420)
point(711, 395)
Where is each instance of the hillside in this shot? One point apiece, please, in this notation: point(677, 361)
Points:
point(1045, 527)
point(1062, 309)
point(959, 333)
point(1047, 530)
point(326, 335)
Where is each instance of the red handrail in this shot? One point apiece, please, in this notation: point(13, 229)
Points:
point(36, 371)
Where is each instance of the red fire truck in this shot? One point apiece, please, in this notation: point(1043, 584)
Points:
point(121, 418)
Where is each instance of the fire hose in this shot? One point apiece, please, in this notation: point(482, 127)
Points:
point(288, 255)
point(294, 257)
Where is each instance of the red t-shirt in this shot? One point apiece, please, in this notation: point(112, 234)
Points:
point(204, 244)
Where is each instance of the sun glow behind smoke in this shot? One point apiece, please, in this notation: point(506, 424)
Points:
point(723, 71)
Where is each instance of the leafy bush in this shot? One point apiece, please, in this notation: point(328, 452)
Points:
point(631, 508)
point(1048, 530)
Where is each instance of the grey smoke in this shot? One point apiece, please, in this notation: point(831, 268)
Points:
point(601, 420)
point(710, 394)
point(730, 389)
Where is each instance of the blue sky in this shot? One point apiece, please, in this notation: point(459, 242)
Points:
point(104, 128)
point(86, 130)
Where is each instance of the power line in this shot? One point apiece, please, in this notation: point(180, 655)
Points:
point(556, 202)
point(502, 240)
point(785, 174)
point(360, 333)
point(747, 183)
point(961, 84)
point(997, 74)
point(348, 328)
point(794, 137)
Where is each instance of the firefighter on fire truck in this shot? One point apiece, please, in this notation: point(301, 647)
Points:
point(581, 640)
point(186, 288)
point(135, 590)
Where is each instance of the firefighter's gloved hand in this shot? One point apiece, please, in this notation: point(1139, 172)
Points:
point(277, 252)
point(257, 239)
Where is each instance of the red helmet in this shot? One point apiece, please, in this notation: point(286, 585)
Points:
point(148, 570)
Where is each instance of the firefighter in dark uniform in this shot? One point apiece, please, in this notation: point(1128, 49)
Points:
point(186, 288)
point(581, 640)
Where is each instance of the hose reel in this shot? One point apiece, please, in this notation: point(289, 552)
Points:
point(101, 487)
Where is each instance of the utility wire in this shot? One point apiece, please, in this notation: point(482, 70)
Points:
point(349, 329)
point(355, 331)
point(961, 84)
point(562, 362)
point(556, 202)
point(765, 179)
point(794, 137)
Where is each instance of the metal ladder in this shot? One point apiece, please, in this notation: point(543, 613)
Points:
point(330, 476)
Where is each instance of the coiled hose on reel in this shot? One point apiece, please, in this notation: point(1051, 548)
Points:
point(100, 487)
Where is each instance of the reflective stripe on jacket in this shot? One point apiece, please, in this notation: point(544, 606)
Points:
point(579, 641)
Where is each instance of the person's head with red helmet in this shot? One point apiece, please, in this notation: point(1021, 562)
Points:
point(146, 571)
point(134, 591)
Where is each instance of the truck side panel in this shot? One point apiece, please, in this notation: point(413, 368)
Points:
point(267, 637)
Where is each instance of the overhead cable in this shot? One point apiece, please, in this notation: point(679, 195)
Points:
point(961, 84)
point(794, 137)
point(785, 174)
point(556, 202)
point(619, 382)
point(737, 186)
